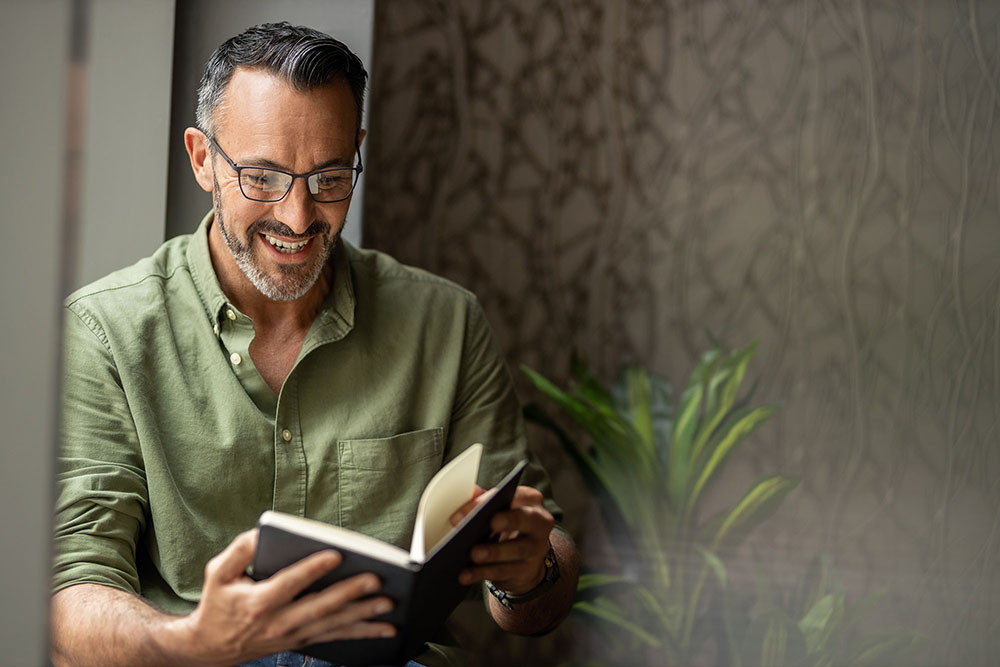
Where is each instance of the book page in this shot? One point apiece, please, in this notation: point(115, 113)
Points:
point(448, 490)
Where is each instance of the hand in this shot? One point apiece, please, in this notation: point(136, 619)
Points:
point(516, 563)
point(239, 619)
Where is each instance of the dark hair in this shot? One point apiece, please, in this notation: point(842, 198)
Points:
point(303, 57)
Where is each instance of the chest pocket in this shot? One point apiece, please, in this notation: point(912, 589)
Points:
point(381, 480)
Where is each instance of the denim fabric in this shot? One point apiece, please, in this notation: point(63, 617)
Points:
point(292, 659)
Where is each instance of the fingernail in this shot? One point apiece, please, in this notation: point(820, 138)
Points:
point(389, 632)
point(479, 554)
point(371, 584)
point(465, 578)
point(383, 606)
point(455, 518)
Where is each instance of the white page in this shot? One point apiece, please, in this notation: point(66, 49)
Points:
point(450, 488)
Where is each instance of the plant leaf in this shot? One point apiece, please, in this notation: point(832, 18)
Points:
point(773, 640)
point(716, 564)
point(735, 435)
point(596, 580)
point(640, 404)
point(822, 621)
point(758, 504)
point(680, 445)
point(886, 647)
point(730, 376)
point(618, 620)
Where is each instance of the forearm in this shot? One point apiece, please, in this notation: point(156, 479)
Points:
point(546, 612)
point(99, 625)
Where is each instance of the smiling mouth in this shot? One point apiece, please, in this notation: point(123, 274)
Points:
point(286, 247)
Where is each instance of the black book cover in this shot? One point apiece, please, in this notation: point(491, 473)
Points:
point(424, 594)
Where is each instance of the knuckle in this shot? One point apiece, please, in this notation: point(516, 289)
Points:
point(211, 568)
point(255, 609)
point(275, 633)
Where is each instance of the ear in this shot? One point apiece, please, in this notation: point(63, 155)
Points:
point(196, 144)
point(361, 137)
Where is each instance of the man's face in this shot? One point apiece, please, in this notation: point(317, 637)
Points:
point(281, 247)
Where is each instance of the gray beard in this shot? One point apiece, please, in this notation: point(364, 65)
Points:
point(294, 281)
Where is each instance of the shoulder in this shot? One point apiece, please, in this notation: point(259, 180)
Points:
point(377, 270)
point(138, 287)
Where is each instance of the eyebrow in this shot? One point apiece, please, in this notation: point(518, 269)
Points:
point(271, 164)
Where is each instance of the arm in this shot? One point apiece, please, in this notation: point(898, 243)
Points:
point(103, 509)
point(237, 619)
point(487, 410)
point(515, 564)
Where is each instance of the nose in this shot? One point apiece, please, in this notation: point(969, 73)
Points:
point(297, 209)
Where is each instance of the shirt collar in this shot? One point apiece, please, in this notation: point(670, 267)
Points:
point(336, 316)
point(203, 274)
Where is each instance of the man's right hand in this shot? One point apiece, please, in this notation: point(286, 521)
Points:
point(240, 619)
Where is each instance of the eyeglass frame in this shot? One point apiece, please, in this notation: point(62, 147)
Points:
point(238, 169)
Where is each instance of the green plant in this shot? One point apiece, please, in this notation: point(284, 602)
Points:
point(814, 625)
point(649, 463)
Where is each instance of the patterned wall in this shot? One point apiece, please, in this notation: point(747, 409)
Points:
point(619, 177)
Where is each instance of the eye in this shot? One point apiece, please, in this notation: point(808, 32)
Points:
point(332, 180)
point(260, 179)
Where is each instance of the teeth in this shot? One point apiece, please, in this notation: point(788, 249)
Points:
point(285, 246)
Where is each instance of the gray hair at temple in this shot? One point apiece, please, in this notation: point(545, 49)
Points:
point(303, 57)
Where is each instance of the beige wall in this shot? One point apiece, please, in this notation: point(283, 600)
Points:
point(126, 123)
point(620, 177)
point(35, 47)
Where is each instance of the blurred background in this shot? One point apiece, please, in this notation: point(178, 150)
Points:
point(629, 180)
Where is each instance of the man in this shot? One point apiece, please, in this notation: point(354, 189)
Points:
point(262, 363)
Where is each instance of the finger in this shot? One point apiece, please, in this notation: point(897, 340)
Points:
point(503, 552)
point(526, 496)
point(231, 563)
point(479, 496)
point(362, 630)
point(499, 573)
point(353, 615)
point(282, 587)
point(331, 600)
point(531, 520)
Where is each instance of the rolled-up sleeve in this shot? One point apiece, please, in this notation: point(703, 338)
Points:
point(101, 495)
point(487, 410)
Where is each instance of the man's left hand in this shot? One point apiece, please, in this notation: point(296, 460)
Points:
point(515, 563)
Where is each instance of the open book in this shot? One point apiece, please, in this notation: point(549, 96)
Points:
point(423, 582)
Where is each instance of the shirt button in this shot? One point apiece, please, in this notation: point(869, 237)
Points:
point(230, 314)
point(215, 328)
point(235, 358)
point(286, 435)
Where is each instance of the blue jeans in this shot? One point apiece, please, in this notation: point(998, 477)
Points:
point(293, 659)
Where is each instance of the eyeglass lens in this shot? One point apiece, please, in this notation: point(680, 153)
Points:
point(270, 185)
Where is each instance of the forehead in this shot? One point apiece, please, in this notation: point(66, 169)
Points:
point(259, 105)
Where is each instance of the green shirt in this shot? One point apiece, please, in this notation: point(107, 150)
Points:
point(172, 443)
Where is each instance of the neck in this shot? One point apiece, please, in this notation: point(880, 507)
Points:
point(266, 313)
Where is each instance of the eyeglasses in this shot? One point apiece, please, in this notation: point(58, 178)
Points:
point(271, 185)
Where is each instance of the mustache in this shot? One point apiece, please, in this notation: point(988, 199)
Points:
point(275, 228)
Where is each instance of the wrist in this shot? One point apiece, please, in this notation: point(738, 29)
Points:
point(549, 576)
point(180, 640)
